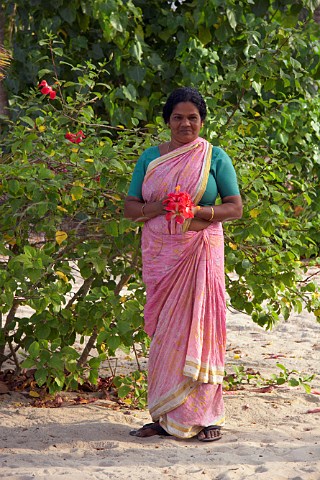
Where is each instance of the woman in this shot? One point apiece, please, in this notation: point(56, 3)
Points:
point(183, 270)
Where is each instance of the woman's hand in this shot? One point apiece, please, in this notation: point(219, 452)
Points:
point(140, 211)
point(195, 210)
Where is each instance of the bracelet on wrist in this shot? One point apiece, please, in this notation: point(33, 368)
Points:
point(142, 210)
point(212, 215)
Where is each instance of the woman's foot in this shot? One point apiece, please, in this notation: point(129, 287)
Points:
point(149, 430)
point(210, 434)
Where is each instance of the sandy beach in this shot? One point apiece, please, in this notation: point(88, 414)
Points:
point(269, 435)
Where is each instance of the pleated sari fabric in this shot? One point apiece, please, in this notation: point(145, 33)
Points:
point(185, 312)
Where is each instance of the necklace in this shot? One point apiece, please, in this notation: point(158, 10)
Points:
point(169, 145)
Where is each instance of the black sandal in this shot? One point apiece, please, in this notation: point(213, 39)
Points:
point(205, 430)
point(153, 426)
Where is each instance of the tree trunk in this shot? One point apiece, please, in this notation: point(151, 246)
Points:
point(3, 100)
point(3, 93)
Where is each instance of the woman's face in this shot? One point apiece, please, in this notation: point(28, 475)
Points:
point(185, 123)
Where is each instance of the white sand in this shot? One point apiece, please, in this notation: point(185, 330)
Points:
point(268, 436)
point(92, 443)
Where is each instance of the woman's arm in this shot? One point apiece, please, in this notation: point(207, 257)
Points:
point(230, 209)
point(139, 211)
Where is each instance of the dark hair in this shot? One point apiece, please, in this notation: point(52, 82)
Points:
point(184, 94)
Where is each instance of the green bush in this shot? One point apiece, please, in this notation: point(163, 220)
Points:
point(66, 250)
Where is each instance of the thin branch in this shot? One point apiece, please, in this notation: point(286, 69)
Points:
point(268, 161)
point(310, 276)
point(56, 73)
point(9, 319)
point(83, 290)
point(236, 107)
point(113, 371)
point(126, 277)
point(136, 355)
point(15, 358)
point(90, 344)
point(4, 358)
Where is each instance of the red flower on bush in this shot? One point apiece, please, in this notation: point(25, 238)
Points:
point(47, 90)
point(179, 206)
point(75, 137)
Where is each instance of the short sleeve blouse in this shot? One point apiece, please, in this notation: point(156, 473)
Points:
point(222, 176)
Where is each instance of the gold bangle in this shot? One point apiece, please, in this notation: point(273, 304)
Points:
point(142, 210)
point(212, 214)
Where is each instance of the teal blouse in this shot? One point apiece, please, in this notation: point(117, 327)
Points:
point(222, 176)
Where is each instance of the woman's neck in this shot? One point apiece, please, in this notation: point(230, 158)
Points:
point(174, 144)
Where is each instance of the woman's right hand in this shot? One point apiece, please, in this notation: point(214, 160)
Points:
point(163, 206)
point(141, 211)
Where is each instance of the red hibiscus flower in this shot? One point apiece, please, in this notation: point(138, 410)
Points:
point(45, 89)
point(179, 206)
point(75, 137)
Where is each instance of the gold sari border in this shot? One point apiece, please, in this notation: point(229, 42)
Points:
point(205, 173)
point(186, 431)
point(203, 181)
point(202, 372)
point(172, 399)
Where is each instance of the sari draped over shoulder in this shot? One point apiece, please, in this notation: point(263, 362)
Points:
point(185, 311)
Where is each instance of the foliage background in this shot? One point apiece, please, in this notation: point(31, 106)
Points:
point(113, 64)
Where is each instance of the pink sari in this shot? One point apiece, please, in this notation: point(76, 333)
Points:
point(185, 310)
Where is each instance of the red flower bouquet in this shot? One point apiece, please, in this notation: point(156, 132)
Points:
point(179, 206)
